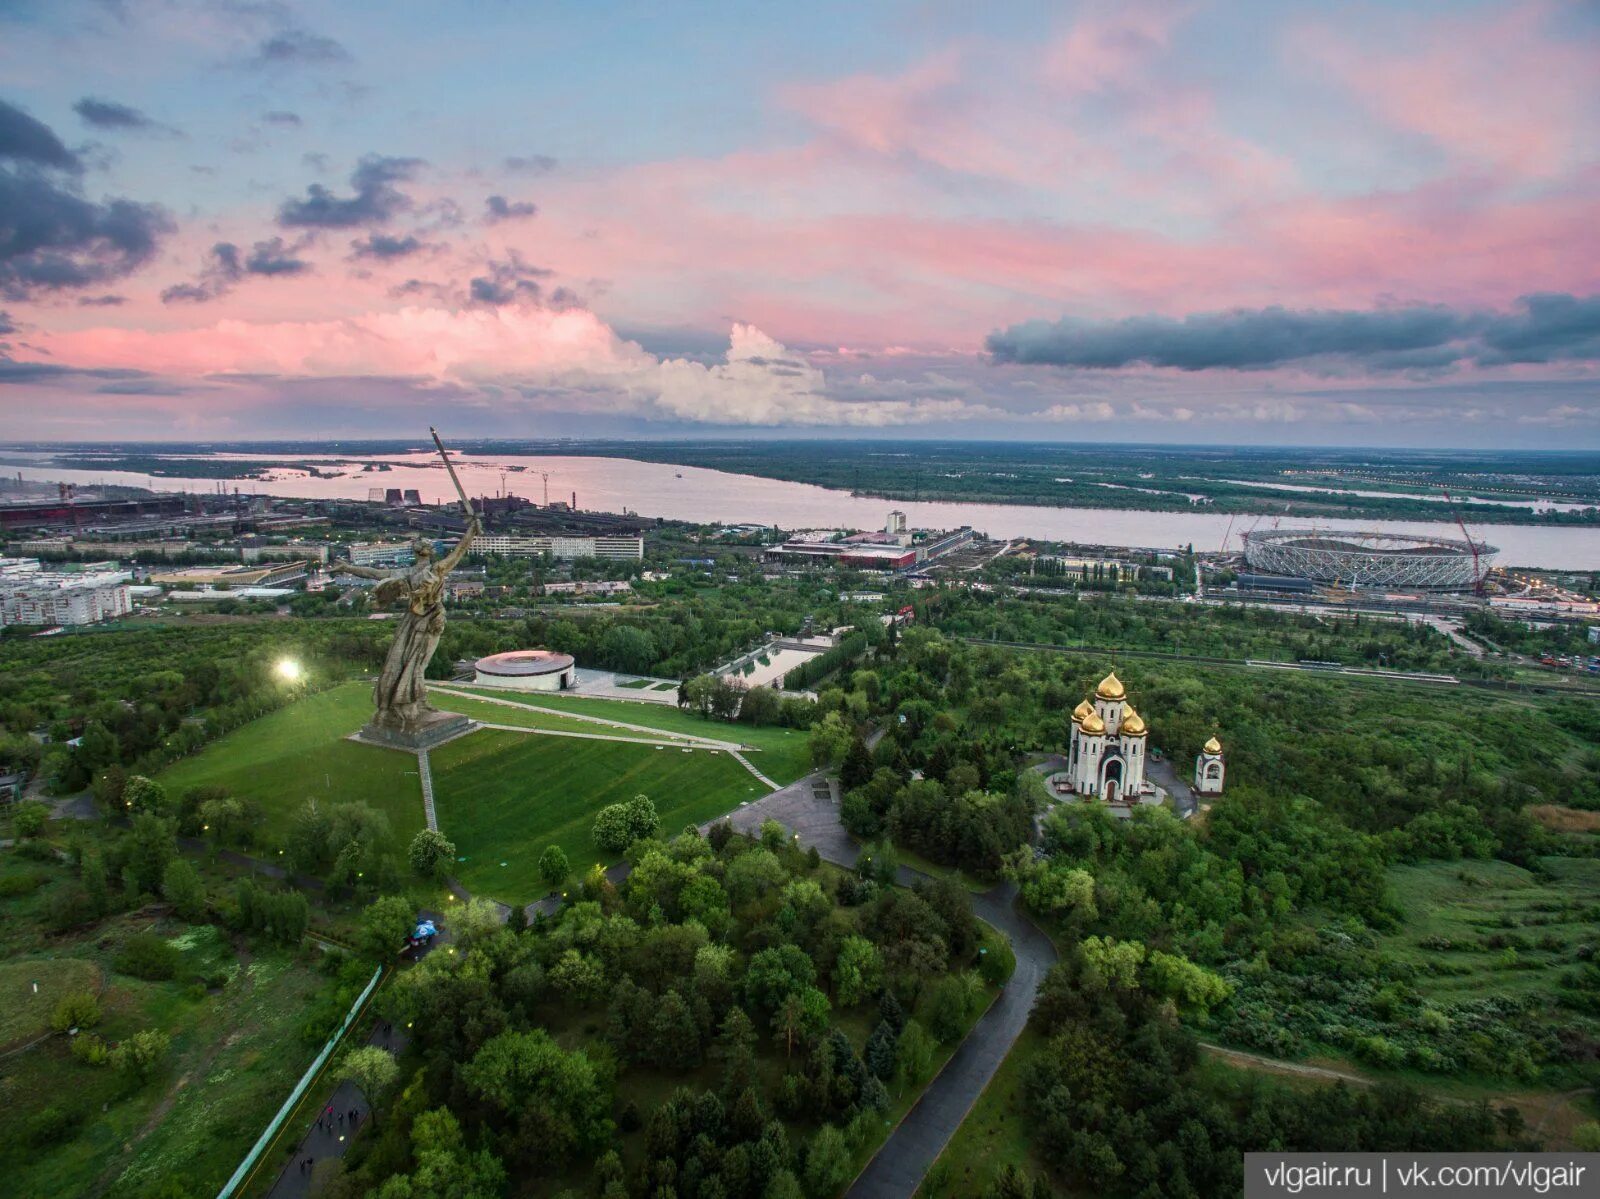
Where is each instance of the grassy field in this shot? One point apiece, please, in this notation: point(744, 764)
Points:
point(299, 753)
point(1491, 928)
point(25, 1011)
point(502, 797)
point(783, 755)
point(236, 1050)
point(529, 716)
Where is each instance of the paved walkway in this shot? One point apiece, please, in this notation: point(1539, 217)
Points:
point(344, 1114)
point(425, 776)
point(810, 808)
point(610, 722)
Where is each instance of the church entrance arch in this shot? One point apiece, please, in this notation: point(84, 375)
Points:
point(1111, 779)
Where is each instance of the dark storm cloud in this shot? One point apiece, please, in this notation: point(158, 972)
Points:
point(280, 117)
point(498, 208)
point(530, 164)
point(24, 139)
point(108, 114)
point(1546, 328)
point(386, 247)
point(1240, 340)
point(52, 237)
point(376, 199)
point(296, 47)
point(1540, 328)
point(508, 282)
point(226, 265)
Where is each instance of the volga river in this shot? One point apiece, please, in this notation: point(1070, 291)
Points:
point(710, 496)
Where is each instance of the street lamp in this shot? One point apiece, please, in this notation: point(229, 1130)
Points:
point(289, 670)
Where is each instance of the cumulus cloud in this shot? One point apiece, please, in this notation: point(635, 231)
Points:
point(297, 47)
point(1540, 328)
point(109, 115)
point(386, 247)
point(226, 265)
point(53, 237)
point(549, 356)
point(376, 198)
point(498, 208)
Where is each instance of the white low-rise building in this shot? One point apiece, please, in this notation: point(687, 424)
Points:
point(40, 597)
point(527, 670)
point(562, 549)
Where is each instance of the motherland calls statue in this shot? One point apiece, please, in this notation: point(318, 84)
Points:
point(404, 717)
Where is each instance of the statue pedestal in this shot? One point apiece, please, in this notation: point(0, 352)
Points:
point(422, 732)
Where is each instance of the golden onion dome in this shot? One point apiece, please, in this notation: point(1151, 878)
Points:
point(1093, 725)
point(1133, 724)
point(1083, 709)
point(1213, 746)
point(1110, 687)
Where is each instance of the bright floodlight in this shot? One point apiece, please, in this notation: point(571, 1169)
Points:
point(289, 670)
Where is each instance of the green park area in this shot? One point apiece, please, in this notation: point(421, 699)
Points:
point(30, 990)
point(300, 753)
point(236, 1028)
point(502, 797)
point(1485, 928)
point(783, 755)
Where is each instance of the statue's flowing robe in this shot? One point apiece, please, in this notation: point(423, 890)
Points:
point(401, 692)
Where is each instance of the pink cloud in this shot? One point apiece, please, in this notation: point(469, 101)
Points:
point(1500, 89)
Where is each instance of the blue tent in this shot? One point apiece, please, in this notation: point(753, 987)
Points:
point(425, 930)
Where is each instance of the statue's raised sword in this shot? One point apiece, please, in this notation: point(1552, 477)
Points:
point(466, 506)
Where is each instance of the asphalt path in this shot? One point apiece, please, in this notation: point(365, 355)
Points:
point(809, 810)
point(343, 1114)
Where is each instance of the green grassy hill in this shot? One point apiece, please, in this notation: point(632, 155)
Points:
point(502, 797)
point(298, 753)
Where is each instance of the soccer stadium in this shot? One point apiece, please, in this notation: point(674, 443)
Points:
point(1389, 560)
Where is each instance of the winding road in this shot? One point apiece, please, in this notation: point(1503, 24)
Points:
point(809, 809)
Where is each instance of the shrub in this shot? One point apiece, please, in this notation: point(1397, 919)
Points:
point(141, 1054)
point(90, 1049)
point(29, 818)
point(76, 1009)
point(25, 883)
point(47, 1127)
point(147, 956)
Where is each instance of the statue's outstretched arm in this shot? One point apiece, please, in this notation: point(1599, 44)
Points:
point(361, 572)
point(453, 558)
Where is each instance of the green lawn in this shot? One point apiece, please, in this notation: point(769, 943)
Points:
point(502, 797)
point(24, 1011)
point(529, 716)
point(1475, 929)
point(783, 755)
point(299, 753)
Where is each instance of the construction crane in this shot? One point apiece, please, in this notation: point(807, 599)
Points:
point(1477, 571)
point(1226, 533)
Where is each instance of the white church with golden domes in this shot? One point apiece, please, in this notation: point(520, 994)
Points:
point(1106, 757)
point(1109, 751)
